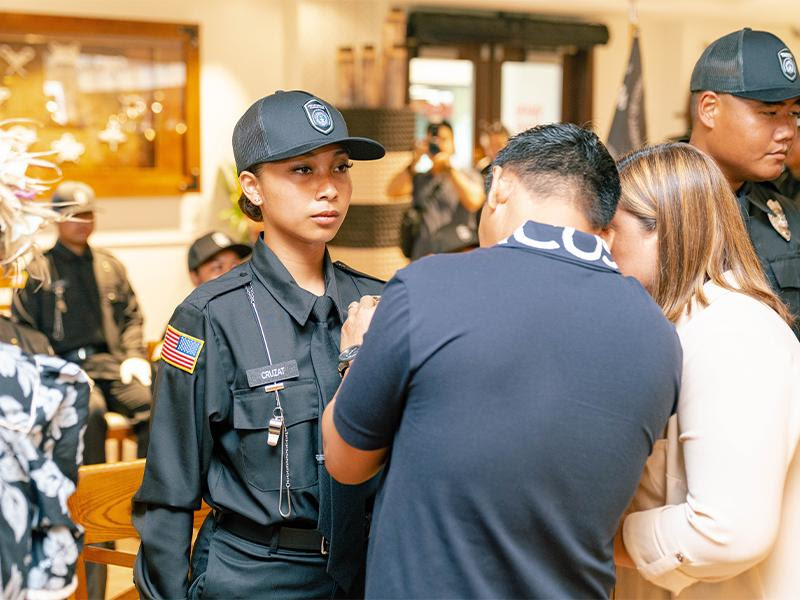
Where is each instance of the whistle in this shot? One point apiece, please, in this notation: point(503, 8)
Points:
point(274, 431)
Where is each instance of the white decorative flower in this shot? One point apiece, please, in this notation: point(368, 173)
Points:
point(59, 546)
point(12, 413)
point(27, 376)
point(49, 399)
point(14, 588)
point(68, 148)
point(8, 363)
point(79, 451)
point(66, 416)
point(11, 470)
point(14, 508)
point(37, 576)
point(64, 492)
point(48, 478)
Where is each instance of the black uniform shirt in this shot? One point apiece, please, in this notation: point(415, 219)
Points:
point(209, 427)
point(82, 321)
point(779, 258)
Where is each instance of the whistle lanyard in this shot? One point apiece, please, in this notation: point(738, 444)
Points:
point(277, 424)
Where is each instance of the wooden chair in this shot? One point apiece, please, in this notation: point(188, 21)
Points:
point(102, 505)
point(119, 429)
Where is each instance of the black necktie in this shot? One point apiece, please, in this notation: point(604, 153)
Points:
point(341, 507)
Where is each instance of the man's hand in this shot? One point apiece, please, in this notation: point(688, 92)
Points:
point(441, 163)
point(135, 367)
point(359, 316)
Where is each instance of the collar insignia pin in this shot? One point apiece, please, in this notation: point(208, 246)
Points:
point(778, 220)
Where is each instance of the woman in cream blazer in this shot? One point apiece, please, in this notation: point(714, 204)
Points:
point(717, 512)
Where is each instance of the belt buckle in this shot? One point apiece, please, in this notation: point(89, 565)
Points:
point(324, 546)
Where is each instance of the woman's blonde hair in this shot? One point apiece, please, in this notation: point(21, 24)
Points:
point(681, 194)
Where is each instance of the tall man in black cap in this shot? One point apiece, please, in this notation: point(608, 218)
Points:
point(745, 92)
point(90, 315)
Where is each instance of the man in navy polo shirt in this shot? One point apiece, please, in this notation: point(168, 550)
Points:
point(513, 392)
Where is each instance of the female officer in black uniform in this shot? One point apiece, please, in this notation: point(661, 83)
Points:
point(251, 362)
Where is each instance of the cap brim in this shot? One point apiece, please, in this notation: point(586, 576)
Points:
point(359, 148)
point(772, 95)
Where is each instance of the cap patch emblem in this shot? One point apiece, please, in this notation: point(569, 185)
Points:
point(788, 64)
point(318, 116)
point(220, 239)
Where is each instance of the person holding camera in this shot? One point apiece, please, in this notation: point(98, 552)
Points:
point(443, 196)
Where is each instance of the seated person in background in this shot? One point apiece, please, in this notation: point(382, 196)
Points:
point(717, 512)
point(209, 257)
point(90, 315)
point(442, 196)
point(214, 254)
point(517, 389)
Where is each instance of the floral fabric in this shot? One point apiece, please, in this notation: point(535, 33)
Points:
point(44, 402)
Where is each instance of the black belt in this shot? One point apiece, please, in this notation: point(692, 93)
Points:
point(78, 355)
point(286, 538)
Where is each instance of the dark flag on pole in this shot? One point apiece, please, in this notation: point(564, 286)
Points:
point(629, 129)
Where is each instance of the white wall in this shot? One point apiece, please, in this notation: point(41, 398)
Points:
point(249, 48)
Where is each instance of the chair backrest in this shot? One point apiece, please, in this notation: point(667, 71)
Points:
point(102, 506)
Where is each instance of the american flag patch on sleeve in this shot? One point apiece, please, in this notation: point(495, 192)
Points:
point(181, 350)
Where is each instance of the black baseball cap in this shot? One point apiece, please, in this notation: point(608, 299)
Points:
point(750, 64)
point(204, 248)
point(287, 124)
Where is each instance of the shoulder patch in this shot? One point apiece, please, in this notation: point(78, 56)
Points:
point(181, 350)
point(348, 269)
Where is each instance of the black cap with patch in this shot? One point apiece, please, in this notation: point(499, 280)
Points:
point(205, 248)
point(288, 124)
point(749, 64)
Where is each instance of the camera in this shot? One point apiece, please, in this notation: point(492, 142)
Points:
point(433, 147)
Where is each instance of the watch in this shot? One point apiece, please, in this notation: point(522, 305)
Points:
point(346, 357)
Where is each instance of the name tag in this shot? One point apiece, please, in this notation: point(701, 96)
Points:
point(272, 373)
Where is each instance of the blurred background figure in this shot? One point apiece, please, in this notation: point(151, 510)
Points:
point(91, 317)
point(214, 254)
point(492, 139)
point(210, 256)
point(444, 195)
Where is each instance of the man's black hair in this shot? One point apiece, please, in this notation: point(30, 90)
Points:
point(563, 157)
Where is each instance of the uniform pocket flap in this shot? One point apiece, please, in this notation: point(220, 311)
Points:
point(252, 409)
point(787, 271)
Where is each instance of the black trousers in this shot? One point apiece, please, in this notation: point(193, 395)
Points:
point(227, 566)
point(133, 401)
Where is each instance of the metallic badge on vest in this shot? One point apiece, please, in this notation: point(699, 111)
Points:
point(788, 64)
point(318, 116)
point(778, 220)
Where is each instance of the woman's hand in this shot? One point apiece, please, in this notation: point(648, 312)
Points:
point(621, 556)
point(359, 316)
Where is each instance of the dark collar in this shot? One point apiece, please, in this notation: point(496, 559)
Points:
point(563, 243)
point(296, 301)
point(61, 251)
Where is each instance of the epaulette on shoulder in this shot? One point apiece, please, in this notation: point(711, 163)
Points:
point(348, 269)
point(236, 278)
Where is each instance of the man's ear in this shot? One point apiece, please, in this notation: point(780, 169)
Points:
point(707, 109)
point(195, 277)
point(499, 191)
point(249, 183)
point(607, 235)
